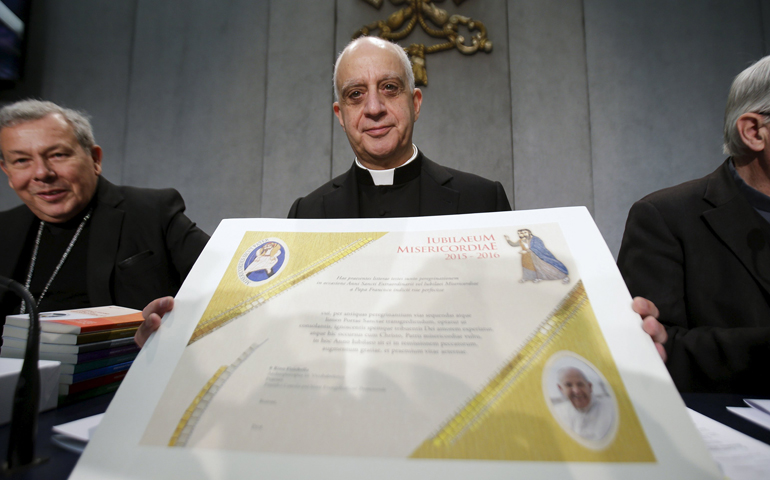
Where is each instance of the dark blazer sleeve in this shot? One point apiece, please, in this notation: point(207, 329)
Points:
point(294, 208)
point(184, 240)
point(503, 205)
point(651, 262)
point(715, 341)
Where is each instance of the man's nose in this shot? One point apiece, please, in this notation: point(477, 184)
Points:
point(43, 170)
point(374, 105)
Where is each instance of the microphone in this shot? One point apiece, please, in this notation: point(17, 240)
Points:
point(26, 399)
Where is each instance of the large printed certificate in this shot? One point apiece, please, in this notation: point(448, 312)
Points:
point(473, 346)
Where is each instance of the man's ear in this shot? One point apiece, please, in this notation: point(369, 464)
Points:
point(417, 100)
point(10, 183)
point(752, 129)
point(338, 113)
point(96, 155)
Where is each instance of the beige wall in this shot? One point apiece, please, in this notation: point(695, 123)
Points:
point(593, 102)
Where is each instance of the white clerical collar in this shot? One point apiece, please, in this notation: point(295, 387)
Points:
point(385, 177)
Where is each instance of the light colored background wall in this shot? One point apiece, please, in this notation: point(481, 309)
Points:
point(592, 102)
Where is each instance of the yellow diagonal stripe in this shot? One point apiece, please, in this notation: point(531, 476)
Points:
point(188, 413)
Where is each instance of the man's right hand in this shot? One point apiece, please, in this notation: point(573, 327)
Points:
point(152, 314)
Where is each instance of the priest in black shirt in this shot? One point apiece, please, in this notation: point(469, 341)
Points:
point(79, 240)
point(377, 105)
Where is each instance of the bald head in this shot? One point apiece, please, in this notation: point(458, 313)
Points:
point(363, 44)
point(377, 103)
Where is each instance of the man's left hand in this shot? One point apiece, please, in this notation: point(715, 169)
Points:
point(650, 324)
point(152, 314)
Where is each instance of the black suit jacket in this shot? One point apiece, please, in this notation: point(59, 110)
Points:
point(702, 254)
point(141, 245)
point(443, 191)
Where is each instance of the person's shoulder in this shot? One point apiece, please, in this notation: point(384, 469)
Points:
point(310, 206)
point(137, 196)
point(14, 221)
point(685, 193)
point(147, 193)
point(675, 195)
point(327, 187)
point(458, 177)
point(19, 212)
point(477, 194)
point(676, 207)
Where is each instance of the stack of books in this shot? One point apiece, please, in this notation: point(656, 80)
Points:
point(94, 345)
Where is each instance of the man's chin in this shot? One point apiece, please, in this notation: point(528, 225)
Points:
point(55, 215)
point(385, 157)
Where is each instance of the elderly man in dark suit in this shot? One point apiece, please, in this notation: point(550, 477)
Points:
point(377, 105)
point(701, 252)
point(79, 240)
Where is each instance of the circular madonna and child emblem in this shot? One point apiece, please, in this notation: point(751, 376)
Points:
point(262, 261)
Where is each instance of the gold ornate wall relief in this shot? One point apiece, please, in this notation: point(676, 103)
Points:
point(401, 23)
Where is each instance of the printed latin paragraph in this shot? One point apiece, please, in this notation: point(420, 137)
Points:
point(376, 284)
point(396, 333)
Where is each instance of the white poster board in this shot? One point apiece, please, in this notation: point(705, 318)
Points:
point(470, 346)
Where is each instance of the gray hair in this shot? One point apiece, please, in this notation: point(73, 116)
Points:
point(750, 93)
point(30, 110)
point(402, 56)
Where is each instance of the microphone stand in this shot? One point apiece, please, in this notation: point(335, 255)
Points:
point(26, 399)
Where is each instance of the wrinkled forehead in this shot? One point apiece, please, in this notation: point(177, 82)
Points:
point(369, 61)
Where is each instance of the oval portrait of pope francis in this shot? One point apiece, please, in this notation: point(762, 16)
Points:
point(580, 399)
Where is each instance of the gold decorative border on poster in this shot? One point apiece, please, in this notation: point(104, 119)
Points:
point(190, 417)
point(193, 405)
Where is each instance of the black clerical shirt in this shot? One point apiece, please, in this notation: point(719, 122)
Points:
point(402, 199)
point(69, 288)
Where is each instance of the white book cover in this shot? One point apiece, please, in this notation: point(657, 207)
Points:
point(496, 345)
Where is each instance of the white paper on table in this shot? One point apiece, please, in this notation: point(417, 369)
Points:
point(760, 404)
point(133, 440)
point(753, 415)
point(740, 456)
point(80, 430)
point(10, 370)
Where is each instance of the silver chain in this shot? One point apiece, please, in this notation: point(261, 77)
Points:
point(61, 262)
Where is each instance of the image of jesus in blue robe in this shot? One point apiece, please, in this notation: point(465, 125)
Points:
point(537, 262)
